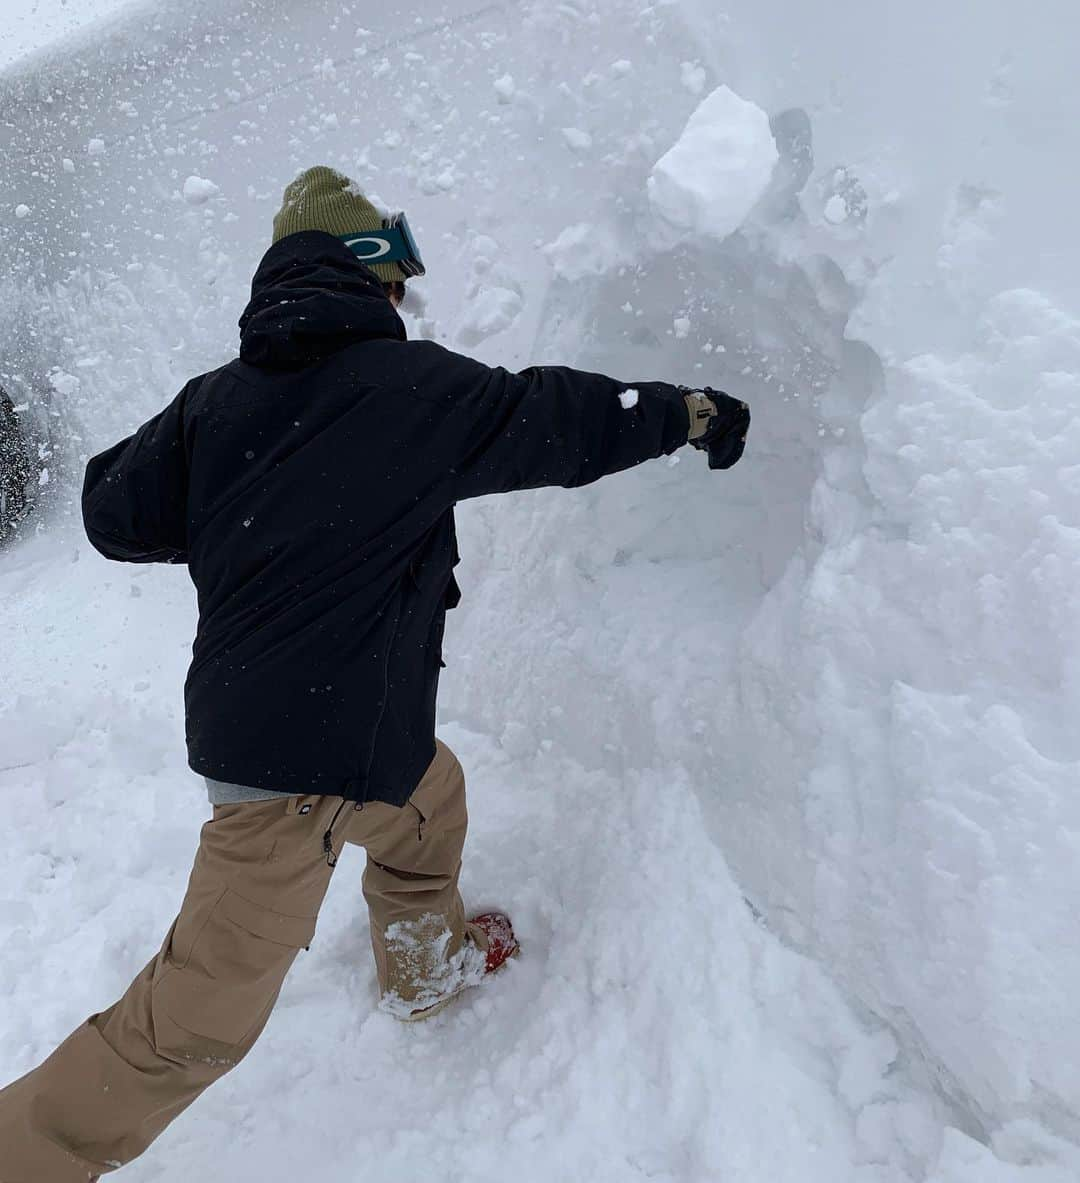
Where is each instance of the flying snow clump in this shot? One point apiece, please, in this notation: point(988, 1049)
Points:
point(198, 190)
point(711, 179)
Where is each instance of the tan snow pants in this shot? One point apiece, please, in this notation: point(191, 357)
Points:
point(196, 1010)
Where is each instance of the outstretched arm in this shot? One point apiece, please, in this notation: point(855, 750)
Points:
point(555, 426)
point(548, 425)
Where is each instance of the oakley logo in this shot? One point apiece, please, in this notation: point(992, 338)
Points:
point(368, 248)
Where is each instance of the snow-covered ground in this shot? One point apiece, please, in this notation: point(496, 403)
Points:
point(652, 1030)
point(846, 671)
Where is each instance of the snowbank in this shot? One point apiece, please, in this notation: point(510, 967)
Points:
point(931, 696)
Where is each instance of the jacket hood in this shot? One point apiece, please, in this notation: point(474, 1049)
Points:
point(310, 298)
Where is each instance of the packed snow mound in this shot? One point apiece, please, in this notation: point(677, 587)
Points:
point(971, 744)
point(720, 167)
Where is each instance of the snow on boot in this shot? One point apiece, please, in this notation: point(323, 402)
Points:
point(502, 945)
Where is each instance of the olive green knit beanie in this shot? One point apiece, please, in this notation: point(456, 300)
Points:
point(323, 199)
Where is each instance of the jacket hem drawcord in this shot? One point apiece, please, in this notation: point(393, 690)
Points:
point(328, 838)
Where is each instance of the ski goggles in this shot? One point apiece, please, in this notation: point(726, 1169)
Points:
point(394, 243)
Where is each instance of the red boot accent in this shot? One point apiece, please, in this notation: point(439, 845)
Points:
point(502, 944)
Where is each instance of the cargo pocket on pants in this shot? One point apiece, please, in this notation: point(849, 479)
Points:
point(235, 969)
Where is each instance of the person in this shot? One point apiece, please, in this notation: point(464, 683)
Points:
point(309, 486)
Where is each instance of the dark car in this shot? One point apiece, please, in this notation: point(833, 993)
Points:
point(14, 468)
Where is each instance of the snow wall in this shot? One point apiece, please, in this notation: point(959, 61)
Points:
point(859, 645)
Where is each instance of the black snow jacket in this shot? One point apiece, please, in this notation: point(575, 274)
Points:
point(309, 487)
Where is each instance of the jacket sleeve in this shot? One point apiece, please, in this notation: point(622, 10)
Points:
point(134, 498)
point(553, 426)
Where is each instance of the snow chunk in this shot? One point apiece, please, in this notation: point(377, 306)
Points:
point(494, 308)
point(485, 251)
point(434, 183)
point(198, 190)
point(693, 77)
point(68, 164)
point(505, 88)
point(721, 165)
point(629, 398)
point(95, 148)
point(864, 1066)
point(22, 211)
point(836, 210)
point(63, 383)
point(583, 249)
point(579, 140)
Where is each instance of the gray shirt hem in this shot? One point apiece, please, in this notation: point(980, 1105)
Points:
point(221, 793)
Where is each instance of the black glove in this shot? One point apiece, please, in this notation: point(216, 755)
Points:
point(718, 425)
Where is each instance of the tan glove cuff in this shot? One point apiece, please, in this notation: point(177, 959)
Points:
point(701, 409)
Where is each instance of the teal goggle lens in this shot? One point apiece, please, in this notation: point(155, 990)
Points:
point(394, 243)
